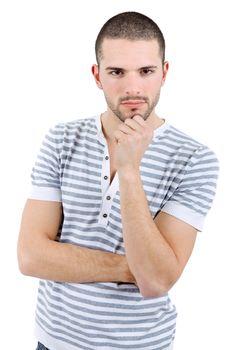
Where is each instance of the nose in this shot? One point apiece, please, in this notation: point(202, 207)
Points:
point(132, 85)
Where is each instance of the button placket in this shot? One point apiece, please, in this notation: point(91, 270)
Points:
point(108, 190)
point(107, 202)
point(105, 171)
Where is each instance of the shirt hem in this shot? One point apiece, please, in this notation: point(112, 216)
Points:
point(49, 342)
point(185, 214)
point(45, 193)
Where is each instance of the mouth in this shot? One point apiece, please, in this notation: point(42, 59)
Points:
point(133, 103)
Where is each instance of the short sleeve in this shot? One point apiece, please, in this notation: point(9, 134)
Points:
point(193, 197)
point(45, 174)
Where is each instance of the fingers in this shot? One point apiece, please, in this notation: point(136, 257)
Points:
point(126, 129)
point(119, 136)
point(139, 120)
point(131, 125)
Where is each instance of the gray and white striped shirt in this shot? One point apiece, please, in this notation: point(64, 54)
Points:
point(179, 177)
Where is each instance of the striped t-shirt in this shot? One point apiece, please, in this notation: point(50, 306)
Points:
point(179, 177)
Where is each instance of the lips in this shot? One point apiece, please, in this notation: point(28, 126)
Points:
point(133, 103)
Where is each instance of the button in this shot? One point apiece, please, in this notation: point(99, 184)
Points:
point(108, 198)
point(107, 157)
point(105, 177)
point(105, 215)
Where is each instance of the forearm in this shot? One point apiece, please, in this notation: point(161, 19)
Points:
point(150, 258)
point(62, 262)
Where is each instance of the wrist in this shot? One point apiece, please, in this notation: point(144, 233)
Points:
point(129, 174)
point(125, 274)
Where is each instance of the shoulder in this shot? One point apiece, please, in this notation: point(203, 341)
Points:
point(65, 131)
point(74, 125)
point(185, 144)
point(181, 138)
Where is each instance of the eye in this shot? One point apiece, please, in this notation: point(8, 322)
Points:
point(147, 71)
point(116, 72)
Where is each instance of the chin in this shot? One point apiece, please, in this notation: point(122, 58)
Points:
point(133, 114)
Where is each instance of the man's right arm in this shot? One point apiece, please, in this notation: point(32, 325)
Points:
point(41, 256)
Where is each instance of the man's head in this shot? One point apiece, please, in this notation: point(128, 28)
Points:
point(131, 26)
point(131, 68)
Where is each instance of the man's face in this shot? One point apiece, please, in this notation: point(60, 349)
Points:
point(131, 75)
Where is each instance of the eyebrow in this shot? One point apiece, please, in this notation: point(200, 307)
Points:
point(118, 68)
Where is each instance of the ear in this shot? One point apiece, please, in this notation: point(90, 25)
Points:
point(95, 73)
point(165, 70)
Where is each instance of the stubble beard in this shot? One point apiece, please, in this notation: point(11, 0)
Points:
point(134, 111)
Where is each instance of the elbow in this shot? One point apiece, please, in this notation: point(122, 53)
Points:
point(150, 291)
point(25, 262)
point(154, 289)
point(155, 286)
point(23, 265)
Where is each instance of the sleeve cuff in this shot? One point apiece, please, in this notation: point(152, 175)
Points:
point(45, 193)
point(185, 214)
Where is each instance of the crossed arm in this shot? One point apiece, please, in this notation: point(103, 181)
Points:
point(156, 251)
point(40, 255)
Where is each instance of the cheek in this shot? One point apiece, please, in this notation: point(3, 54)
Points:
point(110, 88)
point(155, 85)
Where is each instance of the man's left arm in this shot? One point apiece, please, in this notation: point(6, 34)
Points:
point(156, 250)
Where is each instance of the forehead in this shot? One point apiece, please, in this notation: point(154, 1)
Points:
point(119, 52)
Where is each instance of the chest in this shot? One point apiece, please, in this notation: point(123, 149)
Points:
point(89, 179)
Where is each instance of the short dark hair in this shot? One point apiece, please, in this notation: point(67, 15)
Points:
point(131, 26)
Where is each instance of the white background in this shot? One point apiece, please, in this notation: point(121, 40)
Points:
point(47, 48)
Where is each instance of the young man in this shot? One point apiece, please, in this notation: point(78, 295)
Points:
point(115, 206)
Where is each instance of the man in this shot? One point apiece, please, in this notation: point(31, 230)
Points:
point(115, 206)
